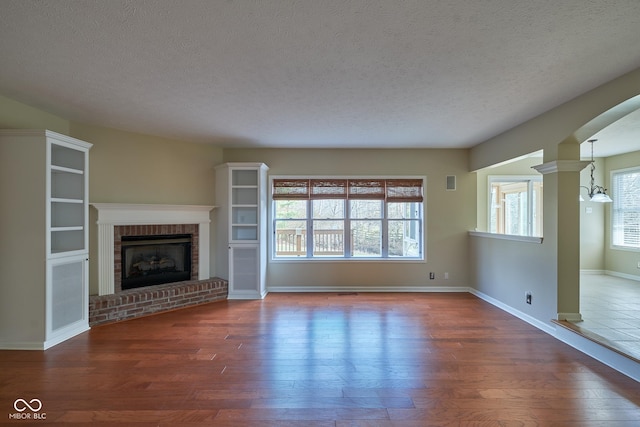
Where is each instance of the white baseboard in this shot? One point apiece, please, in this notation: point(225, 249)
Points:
point(593, 272)
point(66, 334)
point(246, 295)
point(21, 345)
point(622, 275)
point(388, 289)
point(548, 328)
point(611, 273)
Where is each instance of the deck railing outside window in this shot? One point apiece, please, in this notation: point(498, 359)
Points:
point(294, 242)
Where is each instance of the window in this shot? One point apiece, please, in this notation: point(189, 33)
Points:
point(515, 205)
point(626, 208)
point(354, 218)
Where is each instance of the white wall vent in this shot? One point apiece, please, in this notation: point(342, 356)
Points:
point(451, 182)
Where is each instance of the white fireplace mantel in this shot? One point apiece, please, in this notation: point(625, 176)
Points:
point(112, 214)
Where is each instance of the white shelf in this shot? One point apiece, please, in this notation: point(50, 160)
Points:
point(62, 169)
point(73, 228)
point(68, 197)
point(66, 253)
point(62, 200)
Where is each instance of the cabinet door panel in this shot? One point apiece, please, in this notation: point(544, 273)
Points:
point(68, 296)
point(245, 269)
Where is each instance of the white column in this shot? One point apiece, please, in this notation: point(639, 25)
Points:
point(203, 248)
point(106, 264)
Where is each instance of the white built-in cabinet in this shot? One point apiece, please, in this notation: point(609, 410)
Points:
point(44, 243)
point(241, 194)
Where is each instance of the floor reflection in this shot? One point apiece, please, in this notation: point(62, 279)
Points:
point(345, 342)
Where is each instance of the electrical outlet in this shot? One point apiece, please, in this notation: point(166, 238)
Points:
point(527, 297)
point(446, 276)
point(432, 275)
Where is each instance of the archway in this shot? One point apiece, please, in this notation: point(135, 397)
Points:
point(608, 283)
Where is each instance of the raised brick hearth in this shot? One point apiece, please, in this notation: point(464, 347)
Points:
point(154, 299)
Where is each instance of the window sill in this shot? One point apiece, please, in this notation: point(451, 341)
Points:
point(625, 248)
point(526, 239)
point(352, 260)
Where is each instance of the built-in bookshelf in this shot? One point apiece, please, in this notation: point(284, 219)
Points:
point(241, 195)
point(44, 238)
point(68, 198)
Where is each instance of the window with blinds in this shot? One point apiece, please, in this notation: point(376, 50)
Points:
point(354, 218)
point(626, 208)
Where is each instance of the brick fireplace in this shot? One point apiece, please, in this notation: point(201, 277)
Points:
point(152, 231)
point(116, 221)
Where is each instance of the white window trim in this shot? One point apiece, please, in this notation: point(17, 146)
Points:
point(611, 221)
point(271, 230)
point(513, 178)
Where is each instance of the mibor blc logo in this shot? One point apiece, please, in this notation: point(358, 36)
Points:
point(28, 410)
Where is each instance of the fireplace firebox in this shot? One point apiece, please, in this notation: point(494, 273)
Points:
point(154, 260)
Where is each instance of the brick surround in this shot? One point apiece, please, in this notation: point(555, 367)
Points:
point(139, 302)
point(152, 230)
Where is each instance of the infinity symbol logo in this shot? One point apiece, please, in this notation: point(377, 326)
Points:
point(37, 405)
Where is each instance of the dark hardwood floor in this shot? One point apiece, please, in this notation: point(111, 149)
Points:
point(320, 360)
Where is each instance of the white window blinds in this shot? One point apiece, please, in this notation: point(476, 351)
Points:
point(626, 208)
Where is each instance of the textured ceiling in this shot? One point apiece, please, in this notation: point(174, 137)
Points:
point(315, 73)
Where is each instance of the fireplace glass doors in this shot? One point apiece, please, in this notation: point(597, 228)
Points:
point(153, 260)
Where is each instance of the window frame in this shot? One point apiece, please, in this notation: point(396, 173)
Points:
point(615, 192)
point(531, 207)
point(364, 194)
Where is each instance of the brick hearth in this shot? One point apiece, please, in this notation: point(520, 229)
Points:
point(139, 302)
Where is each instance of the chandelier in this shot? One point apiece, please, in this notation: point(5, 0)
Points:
point(596, 193)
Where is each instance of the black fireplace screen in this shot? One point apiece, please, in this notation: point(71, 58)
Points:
point(153, 260)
